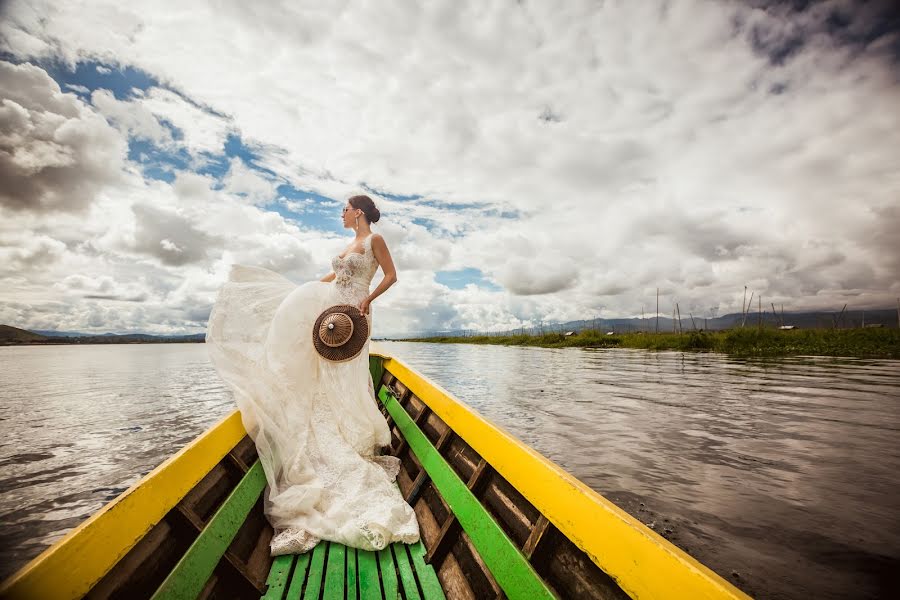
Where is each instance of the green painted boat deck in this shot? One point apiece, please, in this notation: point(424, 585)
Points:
point(334, 571)
point(329, 571)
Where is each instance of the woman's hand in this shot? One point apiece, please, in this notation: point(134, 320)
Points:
point(364, 306)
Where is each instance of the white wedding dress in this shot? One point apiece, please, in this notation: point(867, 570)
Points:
point(315, 422)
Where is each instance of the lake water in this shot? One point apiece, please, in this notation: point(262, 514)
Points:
point(780, 474)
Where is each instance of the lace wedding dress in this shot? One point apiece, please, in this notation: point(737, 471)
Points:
point(315, 422)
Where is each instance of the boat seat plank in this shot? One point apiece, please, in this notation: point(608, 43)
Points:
point(511, 569)
point(316, 571)
point(279, 576)
point(369, 584)
point(298, 577)
point(410, 590)
point(335, 572)
point(428, 579)
point(388, 574)
point(352, 578)
point(190, 574)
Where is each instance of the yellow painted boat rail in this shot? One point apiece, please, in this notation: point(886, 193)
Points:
point(643, 563)
point(74, 564)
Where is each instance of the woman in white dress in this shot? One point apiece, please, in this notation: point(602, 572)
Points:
point(315, 422)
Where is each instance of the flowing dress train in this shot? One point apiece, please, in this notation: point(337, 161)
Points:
point(316, 424)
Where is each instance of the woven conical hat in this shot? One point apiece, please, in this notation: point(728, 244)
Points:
point(340, 332)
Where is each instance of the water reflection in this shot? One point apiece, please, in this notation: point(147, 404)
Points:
point(80, 424)
point(779, 474)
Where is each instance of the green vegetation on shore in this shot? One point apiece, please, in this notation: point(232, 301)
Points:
point(868, 343)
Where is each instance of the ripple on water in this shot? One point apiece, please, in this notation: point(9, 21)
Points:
point(85, 423)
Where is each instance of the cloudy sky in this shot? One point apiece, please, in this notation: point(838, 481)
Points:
point(532, 161)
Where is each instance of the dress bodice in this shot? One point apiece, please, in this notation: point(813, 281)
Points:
point(354, 272)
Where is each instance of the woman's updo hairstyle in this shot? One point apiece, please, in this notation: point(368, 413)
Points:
point(365, 204)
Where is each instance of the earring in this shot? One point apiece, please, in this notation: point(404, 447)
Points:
point(357, 221)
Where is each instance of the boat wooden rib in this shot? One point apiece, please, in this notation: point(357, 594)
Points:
point(497, 520)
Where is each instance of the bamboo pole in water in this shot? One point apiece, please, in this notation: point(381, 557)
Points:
point(743, 304)
point(747, 311)
point(657, 311)
point(840, 316)
point(759, 312)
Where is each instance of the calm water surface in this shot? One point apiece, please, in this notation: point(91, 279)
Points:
point(80, 424)
point(781, 475)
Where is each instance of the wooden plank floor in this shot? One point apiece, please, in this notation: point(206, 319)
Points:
point(334, 571)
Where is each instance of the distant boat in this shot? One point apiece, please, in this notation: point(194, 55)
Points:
point(787, 327)
point(497, 519)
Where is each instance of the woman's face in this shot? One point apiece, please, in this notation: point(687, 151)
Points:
point(349, 215)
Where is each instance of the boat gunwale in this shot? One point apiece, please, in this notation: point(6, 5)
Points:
point(639, 560)
point(513, 571)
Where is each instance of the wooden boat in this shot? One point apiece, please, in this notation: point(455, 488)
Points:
point(497, 520)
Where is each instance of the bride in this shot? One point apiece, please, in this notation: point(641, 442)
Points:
point(315, 422)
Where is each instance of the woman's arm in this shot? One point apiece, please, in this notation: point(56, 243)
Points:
point(329, 277)
point(383, 255)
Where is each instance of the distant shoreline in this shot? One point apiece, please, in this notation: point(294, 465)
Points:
point(68, 341)
point(101, 340)
point(750, 341)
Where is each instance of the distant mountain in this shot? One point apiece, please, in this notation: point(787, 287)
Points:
point(14, 335)
point(54, 333)
point(51, 333)
point(803, 320)
point(10, 336)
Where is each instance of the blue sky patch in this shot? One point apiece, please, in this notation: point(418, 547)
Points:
point(235, 147)
point(318, 212)
point(457, 280)
point(155, 162)
point(217, 165)
point(95, 75)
